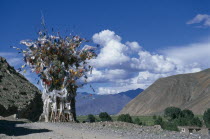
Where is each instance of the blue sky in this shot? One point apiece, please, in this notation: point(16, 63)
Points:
point(172, 36)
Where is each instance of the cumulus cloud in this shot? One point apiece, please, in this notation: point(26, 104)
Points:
point(201, 18)
point(128, 66)
point(112, 52)
point(152, 62)
point(108, 75)
point(195, 54)
point(134, 46)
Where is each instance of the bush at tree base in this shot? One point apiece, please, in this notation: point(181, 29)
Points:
point(169, 126)
point(104, 116)
point(154, 117)
point(158, 121)
point(182, 121)
point(137, 121)
point(206, 118)
point(196, 122)
point(91, 118)
point(166, 125)
point(125, 118)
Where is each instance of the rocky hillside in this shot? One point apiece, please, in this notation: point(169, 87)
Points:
point(112, 104)
point(17, 94)
point(187, 91)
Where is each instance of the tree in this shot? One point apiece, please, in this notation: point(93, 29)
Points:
point(182, 121)
point(206, 118)
point(172, 112)
point(91, 118)
point(125, 118)
point(62, 66)
point(104, 116)
point(187, 114)
point(196, 122)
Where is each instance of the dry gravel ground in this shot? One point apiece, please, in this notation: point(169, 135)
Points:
point(100, 130)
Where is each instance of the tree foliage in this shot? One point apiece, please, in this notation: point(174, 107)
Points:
point(172, 112)
point(196, 122)
point(206, 118)
point(154, 117)
point(58, 61)
point(125, 118)
point(176, 117)
point(91, 118)
point(104, 116)
point(169, 126)
point(187, 114)
point(137, 121)
point(158, 121)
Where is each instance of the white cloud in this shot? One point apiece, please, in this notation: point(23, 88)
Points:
point(152, 62)
point(201, 18)
point(142, 80)
point(112, 51)
point(127, 66)
point(107, 75)
point(195, 54)
point(134, 46)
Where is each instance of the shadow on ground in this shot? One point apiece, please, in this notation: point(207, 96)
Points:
point(9, 128)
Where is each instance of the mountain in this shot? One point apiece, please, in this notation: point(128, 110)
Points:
point(17, 95)
point(186, 91)
point(112, 104)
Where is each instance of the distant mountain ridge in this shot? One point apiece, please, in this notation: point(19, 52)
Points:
point(186, 91)
point(112, 103)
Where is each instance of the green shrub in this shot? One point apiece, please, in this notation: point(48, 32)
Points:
point(90, 118)
point(182, 121)
point(158, 121)
point(105, 116)
point(187, 114)
point(166, 125)
point(187, 119)
point(125, 118)
point(172, 112)
point(154, 117)
point(169, 126)
point(137, 121)
point(196, 122)
point(206, 118)
point(144, 123)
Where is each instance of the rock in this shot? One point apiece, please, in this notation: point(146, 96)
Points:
point(17, 95)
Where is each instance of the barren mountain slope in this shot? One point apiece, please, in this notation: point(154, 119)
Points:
point(17, 94)
point(191, 91)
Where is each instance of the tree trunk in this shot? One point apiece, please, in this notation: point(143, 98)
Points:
point(73, 109)
point(72, 94)
point(60, 109)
